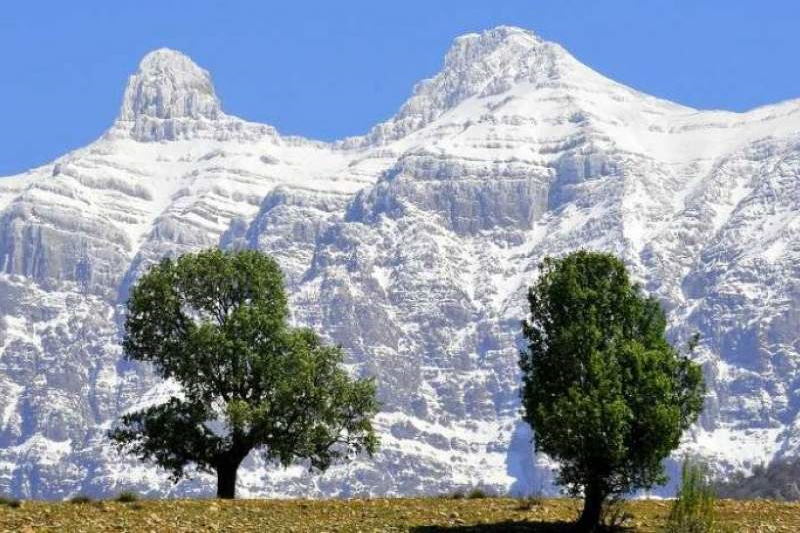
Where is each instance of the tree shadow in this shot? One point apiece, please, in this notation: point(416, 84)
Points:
point(509, 526)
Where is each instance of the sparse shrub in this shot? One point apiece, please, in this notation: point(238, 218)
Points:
point(127, 496)
point(693, 509)
point(478, 493)
point(615, 517)
point(533, 499)
point(10, 502)
point(457, 495)
point(529, 503)
point(81, 499)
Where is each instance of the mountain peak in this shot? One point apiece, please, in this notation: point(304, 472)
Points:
point(478, 64)
point(499, 55)
point(169, 85)
point(493, 38)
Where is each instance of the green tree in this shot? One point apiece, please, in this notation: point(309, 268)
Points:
point(607, 396)
point(216, 323)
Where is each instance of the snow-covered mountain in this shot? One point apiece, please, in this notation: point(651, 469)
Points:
point(411, 246)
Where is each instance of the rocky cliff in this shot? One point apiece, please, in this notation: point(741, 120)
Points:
point(411, 246)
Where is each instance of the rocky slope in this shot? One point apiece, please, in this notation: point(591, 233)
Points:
point(411, 246)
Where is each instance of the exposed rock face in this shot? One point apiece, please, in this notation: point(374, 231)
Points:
point(169, 85)
point(410, 246)
point(171, 98)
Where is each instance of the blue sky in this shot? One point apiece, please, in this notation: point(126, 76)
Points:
point(328, 69)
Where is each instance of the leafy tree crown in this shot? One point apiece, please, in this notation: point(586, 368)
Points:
point(606, 394)
point(215, 322)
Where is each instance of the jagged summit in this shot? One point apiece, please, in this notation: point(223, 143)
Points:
point(168, 85)
point(489, 41)
point(488, 63)
point(483, 64)
point(166, 97)
point(164, 58)
point(413, 250)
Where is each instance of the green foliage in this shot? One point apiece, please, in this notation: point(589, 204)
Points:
point(693, 509)
point(127, 496)
point(216, 322)
point(10, 502)
point(605, 393)
point(80, 499)
point(477, 493)
point(474, 493)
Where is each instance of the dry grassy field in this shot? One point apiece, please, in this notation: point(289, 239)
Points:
point(413, 515)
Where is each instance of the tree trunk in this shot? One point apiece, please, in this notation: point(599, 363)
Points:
point(592, 509)
point(226, 480)
point(227, 465)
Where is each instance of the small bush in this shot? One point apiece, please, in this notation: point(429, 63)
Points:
point(474, 493)
point(529, 502)
point(693, 509)
point(478, 493)
point(10, 502)
point(80, 498)
point(127, 496)
point(615, 517)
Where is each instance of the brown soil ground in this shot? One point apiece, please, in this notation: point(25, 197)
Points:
point(374, 515)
